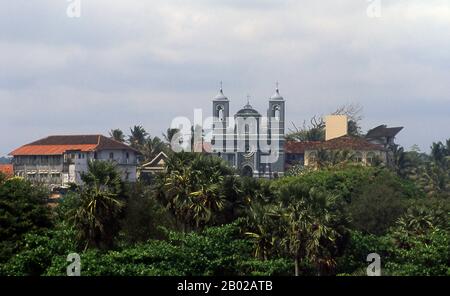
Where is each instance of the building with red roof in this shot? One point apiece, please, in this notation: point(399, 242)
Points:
point(60, 160)
point(306, 153)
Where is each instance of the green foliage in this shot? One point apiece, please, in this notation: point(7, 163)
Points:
point(359, 246)
point(378, 204)
point(2, 178)
point(430, 172)
point(316, 226)
point(420, 255)
point(418, 243)
point(22, 210)
point(342, 182)
point(300, 222)
point(97, 217)
point(213, 251)
point(193, 189)
point(38, 249)
point(117, 134)
point(143, 216)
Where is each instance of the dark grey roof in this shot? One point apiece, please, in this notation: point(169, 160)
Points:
point(248, 111)
point(383, 131)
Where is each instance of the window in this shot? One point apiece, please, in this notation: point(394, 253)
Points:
point(276, 112)
point(220, 113)
point(111, 155)
point(247, 138)
point(127, 155)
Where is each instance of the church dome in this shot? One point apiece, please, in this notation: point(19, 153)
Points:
point(276, 96)
point(220, 96)
point(248, 111)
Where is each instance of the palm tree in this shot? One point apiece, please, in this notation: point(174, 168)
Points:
point(152, 147)
point(177, 188)
point(97, 216)
point(137, 137)
point(313, 226)
point(192, 188)
point(168, 136)
point(434, 178)
point(117, 134)
point(265, 229)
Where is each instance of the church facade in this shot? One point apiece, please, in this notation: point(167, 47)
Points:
point(248, 141)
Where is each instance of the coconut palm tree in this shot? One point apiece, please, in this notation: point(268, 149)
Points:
point(152, 147)
point(170, 133)
point(117, 134)
point(138, 137)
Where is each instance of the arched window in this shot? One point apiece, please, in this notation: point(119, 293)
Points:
point(247, 171)
point(276, 112)
point(220, 113)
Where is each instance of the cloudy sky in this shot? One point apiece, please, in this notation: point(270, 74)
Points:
point(145, 62)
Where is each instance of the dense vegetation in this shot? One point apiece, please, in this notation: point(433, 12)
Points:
point(199, 218)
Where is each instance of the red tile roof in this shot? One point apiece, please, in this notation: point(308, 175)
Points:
point(51, 149)
point(57, 145)
point(299, 147)
point(7, 169)
point(341, 143)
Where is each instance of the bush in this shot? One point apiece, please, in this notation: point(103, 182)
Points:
point(39, 250)
point(423, 255)
point(378, 204)
point(359, 246)
point(22, 209)
point(143, 216)
point(214, 251)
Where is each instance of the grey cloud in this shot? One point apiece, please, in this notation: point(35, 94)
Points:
point(130, 62)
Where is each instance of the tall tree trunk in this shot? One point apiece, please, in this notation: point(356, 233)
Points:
point(297, 265)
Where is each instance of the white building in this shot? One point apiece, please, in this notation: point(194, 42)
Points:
point(60, 160)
